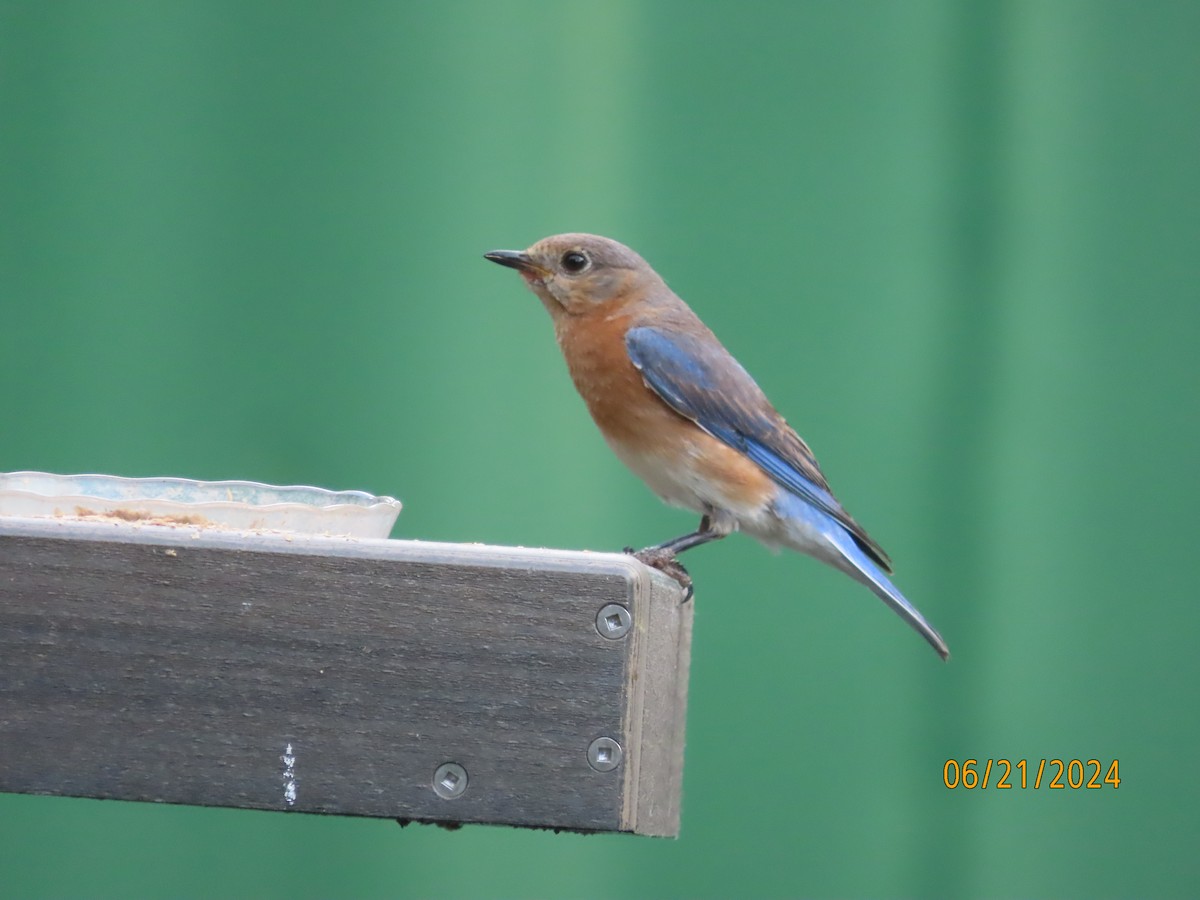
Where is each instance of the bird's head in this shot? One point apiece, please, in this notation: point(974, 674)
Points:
point(574, 274)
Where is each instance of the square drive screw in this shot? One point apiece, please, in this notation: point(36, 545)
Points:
point(449, 781)
point(613, 621)
point(604, 754)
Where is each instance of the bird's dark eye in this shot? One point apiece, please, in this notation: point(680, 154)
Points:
point(574, 261)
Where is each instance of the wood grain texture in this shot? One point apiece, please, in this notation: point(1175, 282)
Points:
point(147, 662)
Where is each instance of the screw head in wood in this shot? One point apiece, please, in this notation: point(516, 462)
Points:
point(613, 621)
point(449, 781)
point(604, 754)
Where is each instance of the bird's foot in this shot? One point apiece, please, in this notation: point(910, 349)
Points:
point(666, 562)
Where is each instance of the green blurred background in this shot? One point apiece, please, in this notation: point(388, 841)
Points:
point(956, 243)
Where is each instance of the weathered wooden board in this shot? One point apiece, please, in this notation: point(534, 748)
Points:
point(330, 675)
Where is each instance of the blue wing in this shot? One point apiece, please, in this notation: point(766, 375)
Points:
point(701, 381)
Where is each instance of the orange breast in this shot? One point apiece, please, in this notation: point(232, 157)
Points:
point(680, 462)
point(613, 389)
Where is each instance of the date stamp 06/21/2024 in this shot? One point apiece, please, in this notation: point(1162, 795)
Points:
point(1022, 774)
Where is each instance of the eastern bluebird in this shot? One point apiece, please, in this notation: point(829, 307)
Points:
point(680, 411)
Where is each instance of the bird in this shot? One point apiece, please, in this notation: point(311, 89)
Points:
point(686, 417)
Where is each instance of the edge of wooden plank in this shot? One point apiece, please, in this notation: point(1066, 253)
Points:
point(657, 709)
point(331, 545)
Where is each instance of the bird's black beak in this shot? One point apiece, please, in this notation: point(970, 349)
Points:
point(514, 259)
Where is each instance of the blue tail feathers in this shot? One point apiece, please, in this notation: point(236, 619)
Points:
point(861, 567)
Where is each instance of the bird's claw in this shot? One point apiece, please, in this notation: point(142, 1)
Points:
point(667, 563)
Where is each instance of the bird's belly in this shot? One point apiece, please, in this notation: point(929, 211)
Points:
point(676, 484)
point(693, 470)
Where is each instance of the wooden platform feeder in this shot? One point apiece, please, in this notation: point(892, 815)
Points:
point(402, 679)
